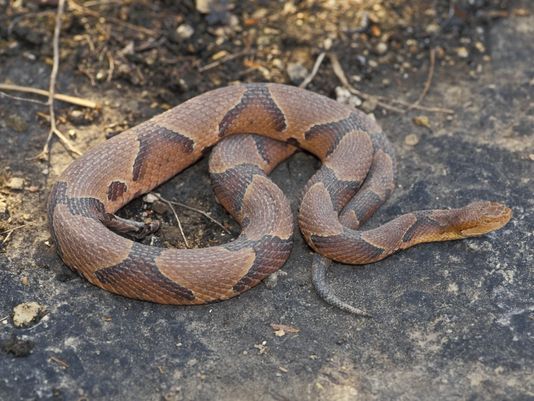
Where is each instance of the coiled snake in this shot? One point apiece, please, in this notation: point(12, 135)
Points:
point(356, 177)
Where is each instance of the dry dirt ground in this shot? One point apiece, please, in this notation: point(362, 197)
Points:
point(453, 321)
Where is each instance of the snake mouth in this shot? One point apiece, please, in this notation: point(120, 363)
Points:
point(483, 217)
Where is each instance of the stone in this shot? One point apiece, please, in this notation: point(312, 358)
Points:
point(27, 313)
point(15, 183)
point(185, 31)
point(297, 72)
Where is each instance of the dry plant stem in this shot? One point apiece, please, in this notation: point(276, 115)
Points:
point(340, 74)
point(314, 70)
point(16, 228)
point(381, 101)
point(428, 81)
point(111, 66)
point(22, 99)
point(169, 203)
point(59, 362)
point(203, 213)
point(223, 60)
point(10, 231)
point(53, 76)
point(57, 96)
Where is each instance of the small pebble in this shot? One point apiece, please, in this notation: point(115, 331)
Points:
point(432, 28)
point(375, 31)
point(15, 183)
point(381, 48)
point(160, 207)
point(260, 13)
point(297, 72)
point(16, 346)
point(27, 313)
point(150, 198)
point(185, 31)
point(369, 105)
point(462, 52)
point(289, 8)
point(411, 139)
point(204, 6)
point(344, 96)
point(422, 121)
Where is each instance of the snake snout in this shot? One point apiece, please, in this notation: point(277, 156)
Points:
point(483, 217)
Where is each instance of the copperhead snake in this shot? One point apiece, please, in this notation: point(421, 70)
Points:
point(356, 177)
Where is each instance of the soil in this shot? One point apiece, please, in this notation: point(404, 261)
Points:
point(452, 321)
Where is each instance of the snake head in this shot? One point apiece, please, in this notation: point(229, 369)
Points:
point(482, 217)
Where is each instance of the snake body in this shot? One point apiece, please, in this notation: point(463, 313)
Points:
point(357, 175)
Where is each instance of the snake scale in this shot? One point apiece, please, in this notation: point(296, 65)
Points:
point(357, 175)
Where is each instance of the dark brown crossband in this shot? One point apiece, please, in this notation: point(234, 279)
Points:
point(255, 97)
point(333, 131)
point(340, 191)
point(139, 272)
point(153, 136)
point(270, 252)
point(231, 185)
point(422, 224)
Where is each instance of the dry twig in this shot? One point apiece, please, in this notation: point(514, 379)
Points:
point(381, 101)
point(9, 233)
point(22, 99)
point(223, 60)
point(53, 76)
point(203, 213)
point(314, 70)
point(338, 70)
point(428, 81)
point(111, 66)
point(57, 96)
point(169, 203)
point(60, 362)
